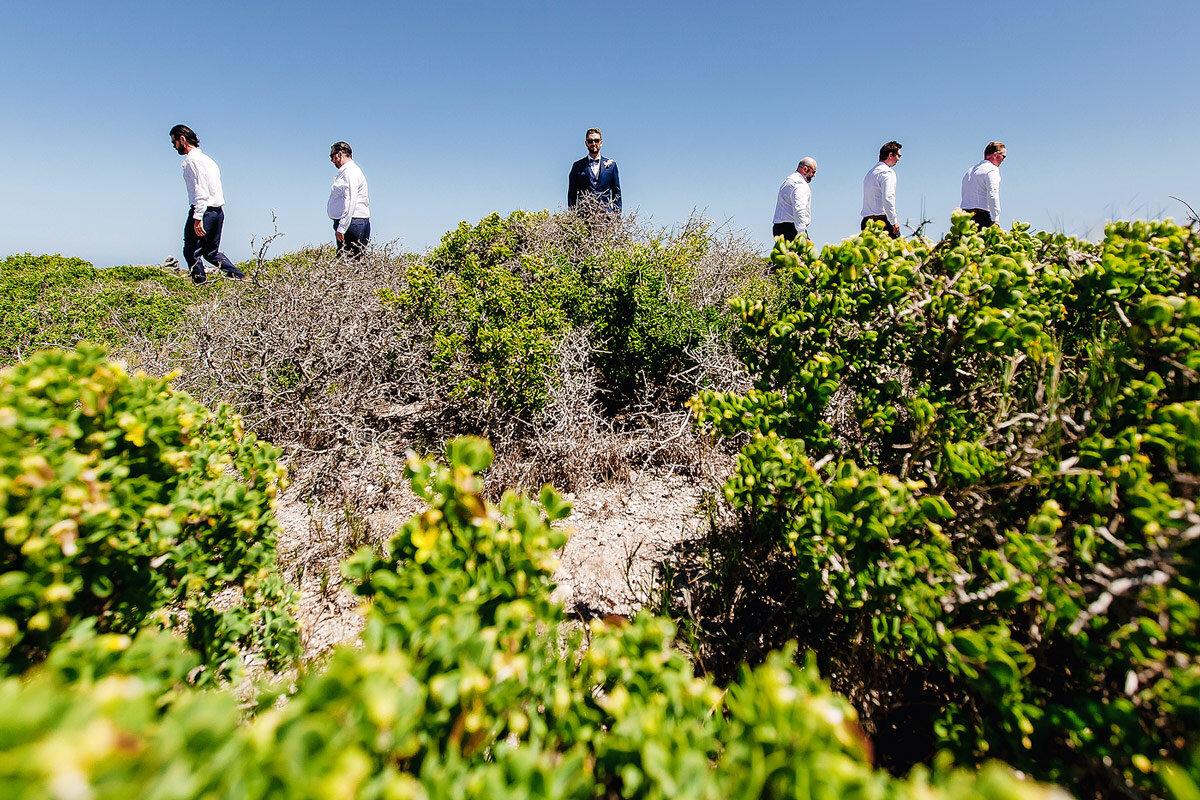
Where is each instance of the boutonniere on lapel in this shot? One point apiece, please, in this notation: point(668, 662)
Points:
point(608, 162)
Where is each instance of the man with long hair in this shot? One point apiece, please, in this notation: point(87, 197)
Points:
point(206, 215)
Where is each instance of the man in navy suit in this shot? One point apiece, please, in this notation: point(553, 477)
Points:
point(595, 175)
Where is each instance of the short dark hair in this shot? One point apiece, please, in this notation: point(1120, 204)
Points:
point(596, 131)
point(187, 133)
point(341, 147)
point(889, 149)
point(993, 147)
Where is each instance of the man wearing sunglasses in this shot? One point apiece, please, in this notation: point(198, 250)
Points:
point(594, 175)
point(879, 191)
point(349, 206)
point(981, 186)
point(793, 208)
point(206, 217)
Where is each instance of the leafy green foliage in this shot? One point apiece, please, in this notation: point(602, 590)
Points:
point(501, 295)
point(126, 503)
point(980, 460)
point(468, 684)
point(53, 300)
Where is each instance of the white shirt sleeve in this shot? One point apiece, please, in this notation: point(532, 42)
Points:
point(802, 210)
point(351, 197)
point(197, 192)
point(889, 197)
point(993, 190)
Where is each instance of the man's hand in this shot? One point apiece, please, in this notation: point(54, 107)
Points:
point(895, 230)
point(198, 227)
point(340, 236)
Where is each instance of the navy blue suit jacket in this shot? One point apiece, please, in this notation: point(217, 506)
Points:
point(606, 187)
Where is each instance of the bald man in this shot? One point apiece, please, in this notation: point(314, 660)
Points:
point(793, 208)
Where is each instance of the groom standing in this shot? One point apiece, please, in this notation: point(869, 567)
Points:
point(595, 175)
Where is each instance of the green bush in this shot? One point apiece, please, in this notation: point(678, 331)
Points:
point(979, 460)
point(126, 503)
point(501, 295)
point(58, 301)
point(497, 313)
point(468, 684)
point(643, 314)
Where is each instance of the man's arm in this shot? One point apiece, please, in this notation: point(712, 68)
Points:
point(616, 188)
point(199, 192)
point(993, 186)
point(889, 198)
point(197, 189)
point(351, 199)
point(802, 208)
point(572, 188)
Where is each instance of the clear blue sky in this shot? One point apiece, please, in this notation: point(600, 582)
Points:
point(458, 109)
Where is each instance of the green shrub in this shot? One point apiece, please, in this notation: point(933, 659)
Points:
point(58, 301)
point(126, 503)
point(501, 296)
point(468, 684)
point(644, 317)
point(979, 460)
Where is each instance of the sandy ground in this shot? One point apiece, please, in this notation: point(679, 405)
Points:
point(619, 536)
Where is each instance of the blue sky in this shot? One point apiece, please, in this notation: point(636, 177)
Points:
point(458, 109)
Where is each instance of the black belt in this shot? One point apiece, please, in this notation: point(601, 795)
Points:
point(977, 211)
point(879, 218)
point(206, 208)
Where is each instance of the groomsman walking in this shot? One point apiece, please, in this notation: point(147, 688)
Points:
point(981, 186)
point(793, 207)
point(879, 191)
point(349, 205)
point(206, 215)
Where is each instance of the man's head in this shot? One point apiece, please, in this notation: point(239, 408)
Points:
point(890, 153)
point(340, 153)
point(807, 167)
point(995, 152)
point(183, 139)
point(593, 139)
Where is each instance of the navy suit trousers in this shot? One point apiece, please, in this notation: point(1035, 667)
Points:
point(785, 229)
point(198, 249)
point(356, 237)
point(982, 217)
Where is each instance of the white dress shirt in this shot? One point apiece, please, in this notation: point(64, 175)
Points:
point(594, 168)
point(348, 196)
point(203, 179)
point(879, 193)
point(981, 188)
point(795, 202)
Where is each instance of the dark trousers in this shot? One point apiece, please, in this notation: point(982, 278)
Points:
point(982, 218)
point(198, 249)
point(894, 232)
point(785, 229)
point(356, 237)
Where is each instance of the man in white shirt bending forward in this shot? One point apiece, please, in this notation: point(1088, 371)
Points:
point(879, 191)
point(206, 217)
point(349, 207)
point(793, 207)
point(981, 186)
